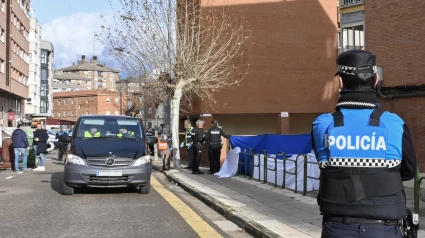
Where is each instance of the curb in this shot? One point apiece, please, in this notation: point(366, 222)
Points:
point(251, 227)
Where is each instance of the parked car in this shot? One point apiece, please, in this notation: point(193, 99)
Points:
point(108, 151)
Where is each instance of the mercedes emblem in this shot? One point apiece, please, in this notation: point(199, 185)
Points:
point(109, 162)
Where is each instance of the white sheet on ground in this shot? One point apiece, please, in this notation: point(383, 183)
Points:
point(313, 171)
point(230, 165)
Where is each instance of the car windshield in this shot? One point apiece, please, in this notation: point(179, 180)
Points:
point(121, 128)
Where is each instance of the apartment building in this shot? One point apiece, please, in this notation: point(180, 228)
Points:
point(70, 105)
point(60, 86)
point(352, 25)
point(72, 79)
point(14, 68)
point(100, 75)
point(290, 79)
point(41, 58)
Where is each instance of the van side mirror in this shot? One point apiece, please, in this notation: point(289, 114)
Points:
point(152, 140)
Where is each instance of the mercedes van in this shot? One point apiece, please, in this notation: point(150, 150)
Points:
point(108, 151)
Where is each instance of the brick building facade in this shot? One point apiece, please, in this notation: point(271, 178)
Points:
point(395, 32)
point(70, 105)
point(290, 80)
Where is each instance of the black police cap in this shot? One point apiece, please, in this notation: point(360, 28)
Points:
point(356, 61)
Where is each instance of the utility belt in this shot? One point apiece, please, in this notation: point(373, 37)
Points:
point(348, 220)
point(352, 188)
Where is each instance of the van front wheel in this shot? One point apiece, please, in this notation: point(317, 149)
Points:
point(144, 189)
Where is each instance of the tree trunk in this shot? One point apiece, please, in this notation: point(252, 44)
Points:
point(175, 116)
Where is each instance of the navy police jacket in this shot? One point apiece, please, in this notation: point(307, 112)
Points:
point(364, 155)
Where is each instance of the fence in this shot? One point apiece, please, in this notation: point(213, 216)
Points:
point(249, 157)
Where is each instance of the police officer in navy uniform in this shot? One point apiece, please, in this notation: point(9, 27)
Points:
point(63, 143)
point(364, 154)
point(213, 138)
point(197, 139)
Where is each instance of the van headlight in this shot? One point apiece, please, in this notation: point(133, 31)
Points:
point(73, 159)
point(142, 160)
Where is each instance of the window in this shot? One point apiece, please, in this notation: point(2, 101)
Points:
point(107, 113)
point(116, 113)
point(87, 101)
point(43, 92)
point(30, 57)
point(53, 114)
point(44, 74)
point(59, 102)
point(352, 38)
point(2, 5)
point(64, 114)
point(2, 35)
point(150, 110)
point(59, 114)
point(117, 100)
point(43, 106)
point(79, 106)
point(72, 113)
point(72, 101)
point(87, 112)
point(64, 102)
point(44, 57)
point(107, 100)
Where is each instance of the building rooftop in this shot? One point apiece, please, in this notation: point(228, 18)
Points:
point(70, 76)
point(67, 85)
point(84, 93)
point(83, 65)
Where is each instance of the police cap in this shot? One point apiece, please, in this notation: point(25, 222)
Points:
point(215, 122)
point(355, 62)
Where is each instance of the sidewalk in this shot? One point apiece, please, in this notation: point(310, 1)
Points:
point(260, 209)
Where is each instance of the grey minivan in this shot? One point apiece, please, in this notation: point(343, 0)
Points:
point(108, 151)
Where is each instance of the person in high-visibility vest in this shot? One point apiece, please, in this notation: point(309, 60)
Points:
point(92, 133)
point(125, 132)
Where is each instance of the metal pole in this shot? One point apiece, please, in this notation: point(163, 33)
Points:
point(416, 187)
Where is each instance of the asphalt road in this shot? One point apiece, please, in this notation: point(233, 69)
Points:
point(31, 205)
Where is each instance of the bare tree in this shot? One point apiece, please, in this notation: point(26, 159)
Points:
point(196, 48)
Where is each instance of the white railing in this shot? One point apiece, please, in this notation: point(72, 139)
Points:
point(346, 3)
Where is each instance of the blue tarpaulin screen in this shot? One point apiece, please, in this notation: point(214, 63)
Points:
point(290, 144)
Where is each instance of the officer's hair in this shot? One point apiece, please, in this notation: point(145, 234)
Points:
point(359, 82)
point(198, 121)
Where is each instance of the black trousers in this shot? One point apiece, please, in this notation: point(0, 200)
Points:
point(197, 151)
point(62, 150)
point(214, 152)
point(337, 230)
point(190, 157)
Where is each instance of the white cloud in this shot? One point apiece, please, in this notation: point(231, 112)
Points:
point(73, 36)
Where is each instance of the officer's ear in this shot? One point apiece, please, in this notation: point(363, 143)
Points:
point(377, 80)
point(341, 84)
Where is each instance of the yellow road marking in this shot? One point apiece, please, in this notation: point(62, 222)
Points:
point(199, 225)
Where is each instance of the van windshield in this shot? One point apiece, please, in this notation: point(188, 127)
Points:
point(110, 127)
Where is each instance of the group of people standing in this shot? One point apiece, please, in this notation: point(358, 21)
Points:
point(39, 145)
point(194, 139)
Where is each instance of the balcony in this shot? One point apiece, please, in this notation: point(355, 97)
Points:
point(350, 3)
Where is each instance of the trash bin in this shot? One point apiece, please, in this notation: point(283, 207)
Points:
point(32, 160)
point(8, 157)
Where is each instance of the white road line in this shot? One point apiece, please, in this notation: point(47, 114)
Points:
point(9, 177)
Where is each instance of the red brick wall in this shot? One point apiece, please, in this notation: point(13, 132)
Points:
point(395, 32)
point(292, 62)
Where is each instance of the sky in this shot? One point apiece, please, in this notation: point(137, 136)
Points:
point(70, 25)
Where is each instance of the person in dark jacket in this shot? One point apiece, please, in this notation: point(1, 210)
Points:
point(364, 154)
point(62, 142)
point(20, 145)
point(213, 139)
point(40, 146)
point(197, 140)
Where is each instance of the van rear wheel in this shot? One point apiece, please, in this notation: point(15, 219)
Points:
point(145, 189)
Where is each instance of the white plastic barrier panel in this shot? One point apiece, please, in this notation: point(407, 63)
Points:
point(313, 171)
